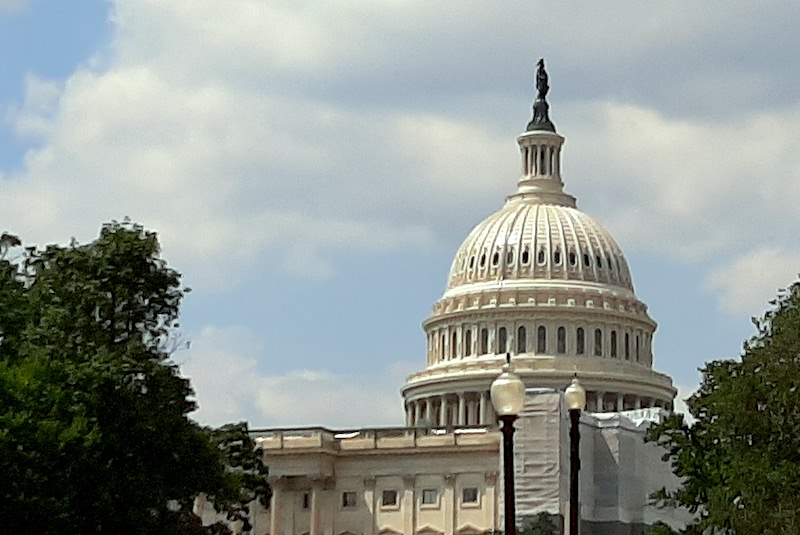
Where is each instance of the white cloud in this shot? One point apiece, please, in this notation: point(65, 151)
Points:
point(697, 190)
point(222, 365)
point(260, 128)
point(746, 285)
point(12, 5)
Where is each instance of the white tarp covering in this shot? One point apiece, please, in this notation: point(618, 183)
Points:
point(618, 469)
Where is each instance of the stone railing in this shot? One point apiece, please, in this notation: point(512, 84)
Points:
point(320, 438)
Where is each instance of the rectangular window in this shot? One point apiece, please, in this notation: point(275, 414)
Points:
point(349, 499)
point(469, 495)
point(389, 498)
point(429, 496)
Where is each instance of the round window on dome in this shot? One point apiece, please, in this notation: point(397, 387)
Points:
point(541, 256)
point(557, 257)
point(586, 260)
point(510, 257)
point(471, 262)
point(573, 259)
point(483, 260)
point(526, 256)
point(495, 259)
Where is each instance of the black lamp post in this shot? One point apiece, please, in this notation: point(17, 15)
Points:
point(576, 399)
point(508, 396)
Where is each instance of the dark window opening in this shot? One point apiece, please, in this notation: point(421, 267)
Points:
point(483, 259)
point(541, 339)
point(495, 259)
point(525, 256)
point(502, 340)
point(614, 344)
point(484, 341)
point(562, 340)
point(468, 343)
point(586, 260)
point(581, 341)
point(469, 495)
point(557, 257)
point(540, 256)
point(572, 258)
point(429, 496)
point(349, 499)
point(522, 343)
point(389, 497)
point(598, 343)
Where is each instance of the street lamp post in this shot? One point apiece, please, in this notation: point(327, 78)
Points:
point(576, 399)
point(508, 396)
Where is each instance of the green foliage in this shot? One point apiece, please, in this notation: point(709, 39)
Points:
point(541, 524)
point(740, 461)
point(660, 528)
point(94, 432)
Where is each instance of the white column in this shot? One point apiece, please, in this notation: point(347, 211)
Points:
point(443, 412)
point(482, 418)
point(429, 410)
point(620, 401)
point(600, 404)
point(462, 409)
point(410, 518)
point(417, 413)
point(316, 488)
point(409, 417)
point(637, 402)
point(275, 524)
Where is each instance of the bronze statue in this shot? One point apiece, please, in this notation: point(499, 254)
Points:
point(541, 119)
point(541, 81)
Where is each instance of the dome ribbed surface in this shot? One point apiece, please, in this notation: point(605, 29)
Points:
point(530, 240)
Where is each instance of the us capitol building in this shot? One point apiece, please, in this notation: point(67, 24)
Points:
point(545, 282)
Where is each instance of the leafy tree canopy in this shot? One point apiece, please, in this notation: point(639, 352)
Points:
point(94, 428)
point(740, 460)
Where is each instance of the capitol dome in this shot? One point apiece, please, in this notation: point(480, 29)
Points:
point(528, 242)
point(544, 282)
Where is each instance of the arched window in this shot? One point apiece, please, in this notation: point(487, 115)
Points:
point(598, 343)
point(562, 340)
point(468, 343)
point(522, 342)
point(627, 346)
point(614, 344)
point(580, 338)
point(541, 339)
point(502, 340)
point(484, 341)
point(453, 345)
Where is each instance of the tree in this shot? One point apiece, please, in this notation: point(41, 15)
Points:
point(94, 428)
point(740, 461)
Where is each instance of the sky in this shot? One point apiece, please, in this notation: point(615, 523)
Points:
point(312, 167)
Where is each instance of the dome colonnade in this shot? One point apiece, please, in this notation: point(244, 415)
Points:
point(545, 282)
